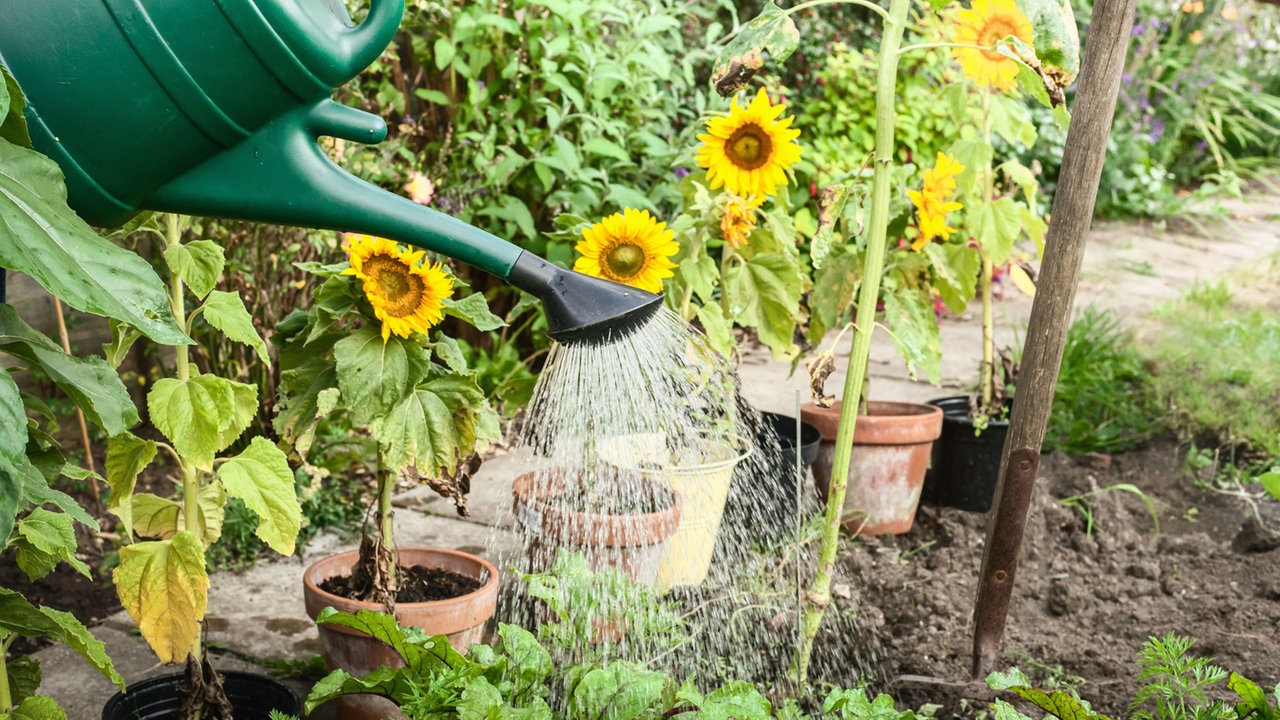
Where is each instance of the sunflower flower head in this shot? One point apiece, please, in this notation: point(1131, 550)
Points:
point(738, 220)
point(986, 23)
point(933, 200)
point(630, 247)
point(406, 293)
point(749, 151)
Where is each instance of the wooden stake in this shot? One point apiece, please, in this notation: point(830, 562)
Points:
point(1086, 148)
point(84, 427)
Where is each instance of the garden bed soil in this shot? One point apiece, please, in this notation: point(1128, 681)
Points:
point(417, 584)
point(1084, 602)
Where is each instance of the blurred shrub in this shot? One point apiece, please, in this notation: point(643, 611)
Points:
point(1200, 100)
point(1102, 402)
point(1213, 364)
point(838, 115)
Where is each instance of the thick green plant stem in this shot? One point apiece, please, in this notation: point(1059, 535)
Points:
point(986, 278)
point(819, 594)
point(6, 697)
point(182, 358)
point(386, 556)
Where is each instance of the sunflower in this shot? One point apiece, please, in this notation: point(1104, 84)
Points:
point(406, 294)
point(931, 200)
point(630, 247)
point(749, 151)
point(739, 220)
point(986, 23)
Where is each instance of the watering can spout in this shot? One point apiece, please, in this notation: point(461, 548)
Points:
point(280, 175)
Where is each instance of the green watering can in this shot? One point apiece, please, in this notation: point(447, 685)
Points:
point(213, 107)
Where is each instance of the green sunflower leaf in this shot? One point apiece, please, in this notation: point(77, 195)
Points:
point(43, 238)
point(226, 312)
point(199, 263)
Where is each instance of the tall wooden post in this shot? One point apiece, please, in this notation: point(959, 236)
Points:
point(1086, 149)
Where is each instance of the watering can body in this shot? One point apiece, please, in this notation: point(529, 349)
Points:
point(214, 107)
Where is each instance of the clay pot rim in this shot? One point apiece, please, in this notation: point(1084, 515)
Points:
point(884, 418)
point(488, 590)
point(600, 528)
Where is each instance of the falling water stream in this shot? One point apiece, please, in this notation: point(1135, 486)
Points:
point(623, 434)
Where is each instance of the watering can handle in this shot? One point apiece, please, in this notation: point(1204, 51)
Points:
point(279, 175)
point(364, 43)
point(335, 54)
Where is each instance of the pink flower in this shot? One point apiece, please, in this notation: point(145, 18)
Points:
point(420, 188)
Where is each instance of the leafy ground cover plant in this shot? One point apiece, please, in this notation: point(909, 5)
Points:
point(1102, 402)
point(1176, 686)
point(553, 672)
point(43, 238)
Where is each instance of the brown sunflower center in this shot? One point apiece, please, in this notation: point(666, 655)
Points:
point(625, 260)
point(996, 29)
point(749, 147)
point(400, 290)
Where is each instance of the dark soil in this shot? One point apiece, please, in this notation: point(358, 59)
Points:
point(1084, 602)
point(417, 584)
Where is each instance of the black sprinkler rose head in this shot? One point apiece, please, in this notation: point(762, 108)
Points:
point(580, 307)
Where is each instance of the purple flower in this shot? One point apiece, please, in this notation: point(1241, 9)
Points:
point(1157, 130)
point(681, 173)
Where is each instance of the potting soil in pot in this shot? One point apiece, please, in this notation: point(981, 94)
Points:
point(417, 584)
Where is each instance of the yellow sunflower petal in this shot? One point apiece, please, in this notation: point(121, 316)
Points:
point(984, 24)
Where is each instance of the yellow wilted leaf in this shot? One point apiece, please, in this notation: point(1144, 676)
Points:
point(163, 586)
point(1021, 279)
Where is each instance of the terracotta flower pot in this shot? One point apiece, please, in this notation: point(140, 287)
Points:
point(631, 543)
point(461, 618)
point(891, 448)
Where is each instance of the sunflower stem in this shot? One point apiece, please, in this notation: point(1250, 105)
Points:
point(725, 261)
point(386, 527)
point(819, 594)
point(988, 321)
point(182, 359)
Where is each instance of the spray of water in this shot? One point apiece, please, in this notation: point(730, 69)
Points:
point(643, 457)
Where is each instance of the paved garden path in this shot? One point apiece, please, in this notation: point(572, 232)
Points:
point(258, 614)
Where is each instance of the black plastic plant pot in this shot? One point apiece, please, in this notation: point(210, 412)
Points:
point(965, 465)
point(252, 697)
point(764, 508)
